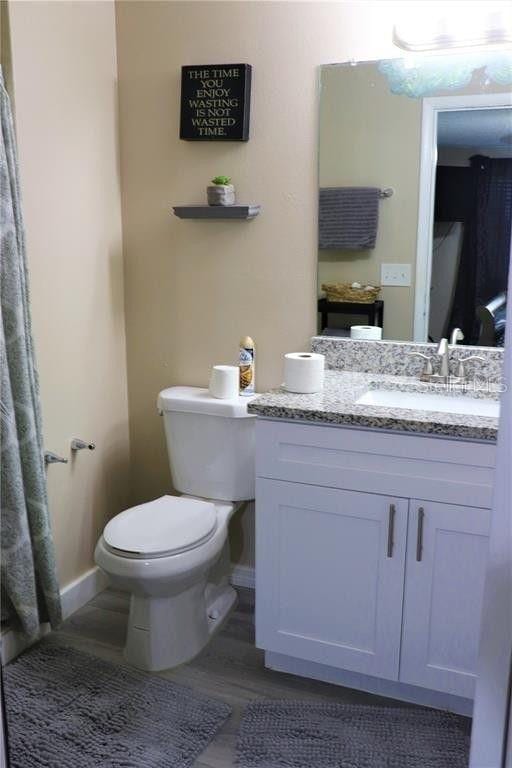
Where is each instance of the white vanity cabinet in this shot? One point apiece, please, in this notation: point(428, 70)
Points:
point(371, 550)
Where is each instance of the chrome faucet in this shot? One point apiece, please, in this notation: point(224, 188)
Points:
point(443, 374)
point(443, 351)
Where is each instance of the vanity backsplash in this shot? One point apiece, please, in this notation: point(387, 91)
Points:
point(392, 357)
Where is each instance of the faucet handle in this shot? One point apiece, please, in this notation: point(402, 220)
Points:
point(461, 371)
point(428, 370)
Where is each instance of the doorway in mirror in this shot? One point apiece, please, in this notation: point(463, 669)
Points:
point(471, 220)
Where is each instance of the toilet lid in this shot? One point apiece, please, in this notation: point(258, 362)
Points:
point(165, 526)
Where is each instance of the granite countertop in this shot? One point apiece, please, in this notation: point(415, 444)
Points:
point(337, 405)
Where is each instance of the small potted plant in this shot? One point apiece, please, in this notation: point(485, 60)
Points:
point(222, 192)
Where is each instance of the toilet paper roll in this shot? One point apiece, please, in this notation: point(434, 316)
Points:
point(366, 332)
point(304, 372)
point(224, 381)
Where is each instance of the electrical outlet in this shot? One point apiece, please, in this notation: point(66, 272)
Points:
point(395, 274)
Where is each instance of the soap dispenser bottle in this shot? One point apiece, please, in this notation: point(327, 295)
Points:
point(246, 362)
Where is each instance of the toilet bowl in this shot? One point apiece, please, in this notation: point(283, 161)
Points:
point(172, 553)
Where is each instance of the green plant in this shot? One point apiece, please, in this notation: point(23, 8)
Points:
point(222, 181)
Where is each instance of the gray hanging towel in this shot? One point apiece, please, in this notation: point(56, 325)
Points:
point(348, 217)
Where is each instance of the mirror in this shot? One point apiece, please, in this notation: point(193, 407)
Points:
point(415, 201)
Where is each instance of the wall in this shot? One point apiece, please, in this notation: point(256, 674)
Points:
point(64, 75)
point(460, 156)
point(194, 288)
point(490, 743)
point(191, 288)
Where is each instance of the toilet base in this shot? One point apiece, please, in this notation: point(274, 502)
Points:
point(220, 609)
point(164, 632)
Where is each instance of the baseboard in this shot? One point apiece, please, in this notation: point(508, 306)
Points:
point(378, 686)
point(243, 576)
point(13, 643)
point(76, 594)
point(73, 597)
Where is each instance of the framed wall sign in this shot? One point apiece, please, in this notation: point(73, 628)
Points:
point(215, 102)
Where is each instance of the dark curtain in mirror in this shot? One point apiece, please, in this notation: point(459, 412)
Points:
point(481, 197)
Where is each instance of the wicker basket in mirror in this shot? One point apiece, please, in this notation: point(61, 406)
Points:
point(346, 292)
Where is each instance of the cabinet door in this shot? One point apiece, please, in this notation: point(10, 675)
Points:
point(444, 582)
point(329, 575)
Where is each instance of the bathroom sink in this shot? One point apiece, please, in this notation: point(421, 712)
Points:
point(427, 401)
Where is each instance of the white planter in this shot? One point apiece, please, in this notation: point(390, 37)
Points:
point(221, 194)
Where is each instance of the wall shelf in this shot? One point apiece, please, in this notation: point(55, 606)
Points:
point(216, 211)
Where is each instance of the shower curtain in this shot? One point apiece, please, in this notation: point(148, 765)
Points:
point(484, 257)
point(29, 587)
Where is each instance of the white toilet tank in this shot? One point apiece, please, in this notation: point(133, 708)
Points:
point(210, 443)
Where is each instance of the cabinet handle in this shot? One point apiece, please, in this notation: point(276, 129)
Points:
point(419, 536)
point(391, 528)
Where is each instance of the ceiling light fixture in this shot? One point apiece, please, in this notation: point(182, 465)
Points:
point(473, 28)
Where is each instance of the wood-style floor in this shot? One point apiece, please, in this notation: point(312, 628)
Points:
point(230, 667)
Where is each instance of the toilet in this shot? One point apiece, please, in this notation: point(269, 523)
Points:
point(172, 554)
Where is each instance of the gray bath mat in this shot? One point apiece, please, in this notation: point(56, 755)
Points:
point(67, 709)
point(294, 734)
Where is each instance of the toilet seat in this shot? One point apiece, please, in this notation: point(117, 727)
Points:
point(166, 526)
